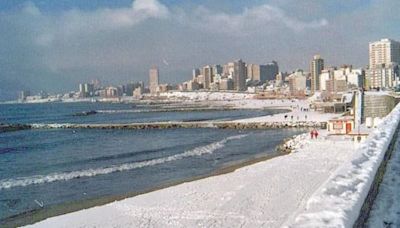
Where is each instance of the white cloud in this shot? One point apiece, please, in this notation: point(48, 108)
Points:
point(77, 22)
point(259, 17)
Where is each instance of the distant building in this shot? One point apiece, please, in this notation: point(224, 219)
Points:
point(253, 72)
point(207, 72)
point(86, 90)
point(384, 51)
point(217, 69)
point(137, 93)
point(297, 83)
point(384, 59)
point(23, 95)
point(153, 80)
point(239, 75)
point(195, 73)
point(383, 76)
point(324, 76)
point(112, 92)
point(192, 85)
point(356, 78)
point(316, 67)
point(269, 71)
point(226, 84)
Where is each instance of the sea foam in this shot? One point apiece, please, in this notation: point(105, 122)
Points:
point(41, 179)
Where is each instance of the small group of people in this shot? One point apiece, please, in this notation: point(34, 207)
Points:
point(314, 134)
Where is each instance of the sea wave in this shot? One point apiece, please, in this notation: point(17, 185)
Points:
point(123, 111)
point(42, 179)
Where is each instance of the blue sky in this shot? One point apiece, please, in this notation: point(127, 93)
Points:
point(53, 45)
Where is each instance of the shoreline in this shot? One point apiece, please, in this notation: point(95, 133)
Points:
point(35, 216)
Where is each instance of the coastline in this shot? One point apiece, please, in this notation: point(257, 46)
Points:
point(32, 217)
point(55, 211)
point(267, 193)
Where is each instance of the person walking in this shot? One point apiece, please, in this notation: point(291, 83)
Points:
point(316, 134)
point(312, 134)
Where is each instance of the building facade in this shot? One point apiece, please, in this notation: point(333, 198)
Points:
point(316, 67)
point(153, 80)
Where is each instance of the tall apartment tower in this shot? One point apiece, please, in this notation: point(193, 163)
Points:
point(208, 76)
point(153, 80)
point(384, 59)
point(316, 66)
point(384, 51)
point(239, 75)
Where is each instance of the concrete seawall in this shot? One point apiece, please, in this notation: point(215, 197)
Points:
point(374, 189)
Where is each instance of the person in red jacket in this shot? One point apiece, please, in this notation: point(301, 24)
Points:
point(316, 134)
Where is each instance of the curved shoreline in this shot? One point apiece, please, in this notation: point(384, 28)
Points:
point(31, 217)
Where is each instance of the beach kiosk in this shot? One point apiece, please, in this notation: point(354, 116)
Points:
point(341, 125)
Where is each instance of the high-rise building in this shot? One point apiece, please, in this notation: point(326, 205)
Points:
point(195, 73)
point(384, 59)
point(316, 66)
point(86, 89)
point(208, 76)
point(385, 51)
point(239, 75)
point(269, 71)
point(383, 76)
point(217, 69)
point(153, 80)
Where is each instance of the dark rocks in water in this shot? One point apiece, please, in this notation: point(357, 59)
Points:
point(13, 127)
point(86, 113)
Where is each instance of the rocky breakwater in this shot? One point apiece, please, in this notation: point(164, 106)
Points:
point(198, 124)
point(13, 127)
point(269, 125)
point(291, 145)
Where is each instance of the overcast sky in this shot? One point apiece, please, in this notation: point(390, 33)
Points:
point(53, 45)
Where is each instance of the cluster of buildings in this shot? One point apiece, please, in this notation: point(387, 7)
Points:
point(237, 76)
point(329, 82)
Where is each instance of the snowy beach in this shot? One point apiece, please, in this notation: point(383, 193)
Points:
point(265, 194)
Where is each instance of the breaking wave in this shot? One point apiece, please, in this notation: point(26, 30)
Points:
point(41, 179)
point(55, 125)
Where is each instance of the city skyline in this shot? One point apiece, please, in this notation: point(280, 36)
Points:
point(54, 46)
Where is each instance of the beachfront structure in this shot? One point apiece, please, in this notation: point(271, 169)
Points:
point(341, 125)
point(153, 80)
point(316, 67)
point(378, 104)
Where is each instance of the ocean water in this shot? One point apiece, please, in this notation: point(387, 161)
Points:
point(43, 168)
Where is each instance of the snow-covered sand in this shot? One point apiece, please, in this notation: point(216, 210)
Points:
point(265, 194)
point(247, 101)
point(338, 202)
